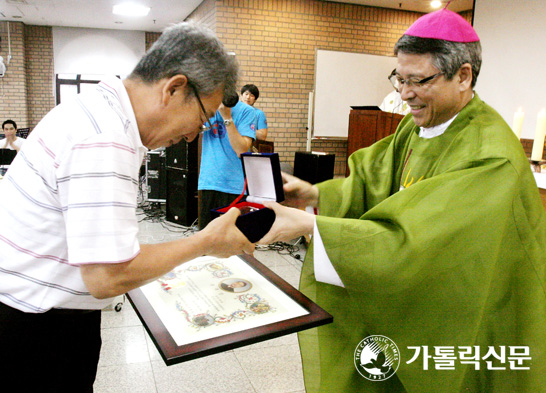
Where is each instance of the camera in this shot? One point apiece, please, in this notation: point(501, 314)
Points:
point(230, 100)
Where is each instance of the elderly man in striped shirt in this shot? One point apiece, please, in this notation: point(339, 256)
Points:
point(68, 226)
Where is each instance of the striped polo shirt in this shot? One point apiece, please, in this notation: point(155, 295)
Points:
point(68, 199)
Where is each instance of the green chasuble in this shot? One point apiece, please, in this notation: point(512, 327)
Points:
point(439, 242)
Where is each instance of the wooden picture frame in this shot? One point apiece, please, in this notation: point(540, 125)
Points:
point(172, 353)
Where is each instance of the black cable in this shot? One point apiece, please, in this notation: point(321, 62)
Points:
point(177, 228)
point(152, 212)
point(282, 248)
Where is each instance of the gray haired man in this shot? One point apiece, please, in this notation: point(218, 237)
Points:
point(68, 228)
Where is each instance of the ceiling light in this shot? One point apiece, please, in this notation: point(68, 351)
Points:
point(436, 4)
point(130, 9)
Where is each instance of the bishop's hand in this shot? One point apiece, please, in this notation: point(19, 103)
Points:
point(290, 223)
point(299, 193)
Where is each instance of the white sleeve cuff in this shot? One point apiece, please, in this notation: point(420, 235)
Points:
point(324, 270)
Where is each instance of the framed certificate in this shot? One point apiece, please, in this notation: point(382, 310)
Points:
point(210, 305)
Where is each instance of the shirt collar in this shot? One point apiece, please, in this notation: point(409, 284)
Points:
point(435, 131)
point(432, 132)
point(116, 87)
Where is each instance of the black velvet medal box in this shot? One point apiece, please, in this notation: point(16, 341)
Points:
point(264, 183)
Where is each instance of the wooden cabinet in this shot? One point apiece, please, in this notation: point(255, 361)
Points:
point(368, 126)
point(259, 146)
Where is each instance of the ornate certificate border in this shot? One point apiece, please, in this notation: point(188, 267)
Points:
point(211, 305)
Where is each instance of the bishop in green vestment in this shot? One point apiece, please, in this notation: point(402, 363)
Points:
point(437, 239)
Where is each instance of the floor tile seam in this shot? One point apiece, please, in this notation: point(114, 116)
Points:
point(151, 364)
point(254, 388)
point(148, 355)
point(122, 326)
point(257, 388)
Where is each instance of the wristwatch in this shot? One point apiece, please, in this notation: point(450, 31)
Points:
point(227, 122)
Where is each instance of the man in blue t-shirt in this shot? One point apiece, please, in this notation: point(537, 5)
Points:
point(221, 178)
point(249, 95)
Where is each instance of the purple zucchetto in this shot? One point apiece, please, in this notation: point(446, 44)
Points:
point(443, 25)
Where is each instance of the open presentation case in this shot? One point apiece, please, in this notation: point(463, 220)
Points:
point(263, 181)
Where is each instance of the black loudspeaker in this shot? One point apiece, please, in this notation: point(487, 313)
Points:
point(183, 155)
point(7, 156)
point(314, 167)
point(181, 205)
point(156, 178)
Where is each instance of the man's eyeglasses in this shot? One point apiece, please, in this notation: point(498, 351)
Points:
point(397, 82)
point(206, 124)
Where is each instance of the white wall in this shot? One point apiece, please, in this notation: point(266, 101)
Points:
point(342, 80)
point(96, 51)
point(513, 74)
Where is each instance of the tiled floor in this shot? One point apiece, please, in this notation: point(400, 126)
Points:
point(130, 363)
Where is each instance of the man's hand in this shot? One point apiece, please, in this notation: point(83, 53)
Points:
point(299, 193)
point(240, 144)
point(224, 238)
point(224, 111)
point(10, 141)
point(289, 224)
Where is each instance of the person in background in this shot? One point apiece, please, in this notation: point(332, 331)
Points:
point(393, 103)
point(436, 241)
point(221, 178)
point(12, 141)
point(249, 95)
point(68, 224)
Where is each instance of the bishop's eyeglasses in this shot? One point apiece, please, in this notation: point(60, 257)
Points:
point(397, 82)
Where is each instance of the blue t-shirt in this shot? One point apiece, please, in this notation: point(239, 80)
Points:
point(261, 121)
point(221, 168)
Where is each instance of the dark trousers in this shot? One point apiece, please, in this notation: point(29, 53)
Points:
point(208, 200)
point(51, 352)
